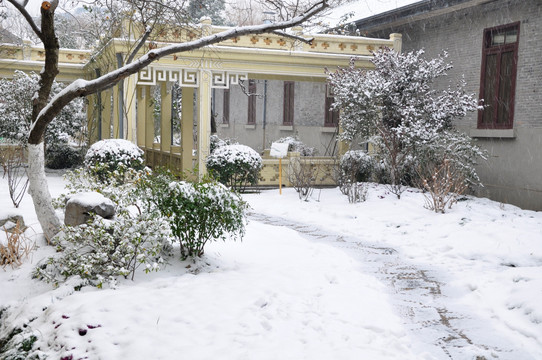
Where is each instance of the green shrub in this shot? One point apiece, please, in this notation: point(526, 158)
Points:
point(104, 250)
point(197, 212)
point(63, 156)
point(236, 166)
point(357, 165)
point(110, 159)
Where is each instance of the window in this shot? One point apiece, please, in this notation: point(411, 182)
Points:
point(251, 102)
point(226, 107)
point(288, 108)
point(498, 77)
point(332, 116)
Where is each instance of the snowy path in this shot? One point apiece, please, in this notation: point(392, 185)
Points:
point(444, 331)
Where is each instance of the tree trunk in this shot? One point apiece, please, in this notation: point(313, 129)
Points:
point(39, 191)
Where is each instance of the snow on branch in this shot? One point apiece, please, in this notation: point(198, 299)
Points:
point(293, 36)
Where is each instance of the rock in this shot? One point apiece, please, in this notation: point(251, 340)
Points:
point(9, 222)
point(81, 207)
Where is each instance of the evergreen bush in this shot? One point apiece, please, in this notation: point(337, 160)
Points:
point(104, 250)
point(110, 159)
point(236, 166)
point(63, 156)
point(197, 212)
point(399, 110)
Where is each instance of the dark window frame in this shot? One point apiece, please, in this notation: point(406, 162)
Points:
point(497, 51)
point(251, 117)
point(288, 104)
point(226, 106)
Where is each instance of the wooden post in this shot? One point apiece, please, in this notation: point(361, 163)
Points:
point(187, 128)
point(204, 120)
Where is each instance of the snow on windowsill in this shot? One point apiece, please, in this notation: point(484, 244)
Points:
point(493, 133)
point(328, 129)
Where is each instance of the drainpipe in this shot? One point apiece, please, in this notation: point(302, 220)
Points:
point(264, 112)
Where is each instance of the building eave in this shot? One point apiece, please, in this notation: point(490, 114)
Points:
point(414, 12)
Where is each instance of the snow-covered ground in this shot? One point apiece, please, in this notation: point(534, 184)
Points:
point(282, 294)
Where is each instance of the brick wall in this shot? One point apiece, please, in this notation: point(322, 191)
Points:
point(513, 171)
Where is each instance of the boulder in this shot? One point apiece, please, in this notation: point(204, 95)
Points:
point(80, 208)
point(9, 222)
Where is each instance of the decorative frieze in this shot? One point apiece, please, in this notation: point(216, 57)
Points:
point(186, 77)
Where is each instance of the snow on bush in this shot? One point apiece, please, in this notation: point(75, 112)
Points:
point(237, 166)
point(397, 109)
point(197, 212)
point(356, 166)
point(109, 159)
point(103, 250)
point(16, 112)
point(294, 144)
point(217, 142)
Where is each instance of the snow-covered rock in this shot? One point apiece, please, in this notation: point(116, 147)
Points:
point(8, 221)
point(81, 207)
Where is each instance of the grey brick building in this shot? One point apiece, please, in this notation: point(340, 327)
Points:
point(269, 109)
point(495, 45)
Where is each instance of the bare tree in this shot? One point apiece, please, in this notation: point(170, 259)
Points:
point(149, 13)
point(247, 12)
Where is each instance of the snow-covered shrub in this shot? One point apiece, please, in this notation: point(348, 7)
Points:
point(215, 143)
point(103, 250)
point(237, 166)
point(110, 159)
point(16, 112)
point(63, 156)
point(355, 166)
point(197, 212)
point(397, 109)
point(294, 144)
point(17, 344)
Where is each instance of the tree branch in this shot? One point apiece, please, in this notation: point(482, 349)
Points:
point(83, 87)
point(293, 36)
point(146, 35)
point(21, 8)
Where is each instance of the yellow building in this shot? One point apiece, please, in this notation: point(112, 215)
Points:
point(127, 110)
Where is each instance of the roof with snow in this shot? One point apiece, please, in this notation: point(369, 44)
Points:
point(413, 12)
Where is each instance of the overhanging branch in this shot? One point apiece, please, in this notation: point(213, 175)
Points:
point(293, 36)
point(81, 87)
point(21, 8)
